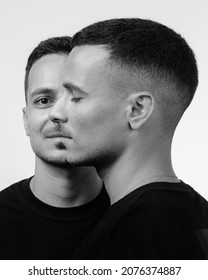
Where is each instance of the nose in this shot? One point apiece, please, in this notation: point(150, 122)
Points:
point(58, 112)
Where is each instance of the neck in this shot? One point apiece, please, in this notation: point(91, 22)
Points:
point(64, 186)
point(135, 169)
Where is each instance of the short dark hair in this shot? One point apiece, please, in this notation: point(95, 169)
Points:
point(143, 44)
point(59, 45)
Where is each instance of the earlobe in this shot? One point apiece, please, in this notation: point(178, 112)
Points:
point(141, 106)
point(25, 119)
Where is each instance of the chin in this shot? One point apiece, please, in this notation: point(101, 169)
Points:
point(58, 159)
point(99, 158)
point(83, 160)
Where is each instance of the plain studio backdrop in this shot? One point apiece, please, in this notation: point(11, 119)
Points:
point(24, 23)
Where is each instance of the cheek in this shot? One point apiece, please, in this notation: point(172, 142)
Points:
point(31, 124)
point(95, 122)
point(35, 123)
point(90, 118)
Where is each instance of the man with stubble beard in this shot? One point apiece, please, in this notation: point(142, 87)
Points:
point(131, 81)
point(48, 215)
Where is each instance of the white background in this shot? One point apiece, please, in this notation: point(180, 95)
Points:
point(24, 23)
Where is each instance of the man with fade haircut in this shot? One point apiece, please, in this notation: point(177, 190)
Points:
point(48, 215)
point(130, 82)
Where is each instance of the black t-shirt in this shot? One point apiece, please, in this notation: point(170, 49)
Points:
point(156, 221)
point(31, 229)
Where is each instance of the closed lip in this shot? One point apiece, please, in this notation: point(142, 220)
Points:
point(56, 135)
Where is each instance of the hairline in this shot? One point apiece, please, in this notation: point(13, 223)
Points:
point(149, 78)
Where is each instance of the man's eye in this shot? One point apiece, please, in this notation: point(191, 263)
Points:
point(76, 99)
point(43, 101)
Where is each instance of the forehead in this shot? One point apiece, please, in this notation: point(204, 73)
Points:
point(88, 55)
point(48, 68)
point(86, 60)
point(89, 67)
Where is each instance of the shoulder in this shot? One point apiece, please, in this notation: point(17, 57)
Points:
point(160, 223)
point(13, 191)
point(163, 207)
point(169, 199)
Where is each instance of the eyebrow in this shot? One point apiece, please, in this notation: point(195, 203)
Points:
point(39, 91)
point(69, 85)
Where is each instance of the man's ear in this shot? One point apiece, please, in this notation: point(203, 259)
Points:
point(141, 105)
point(25, 119)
